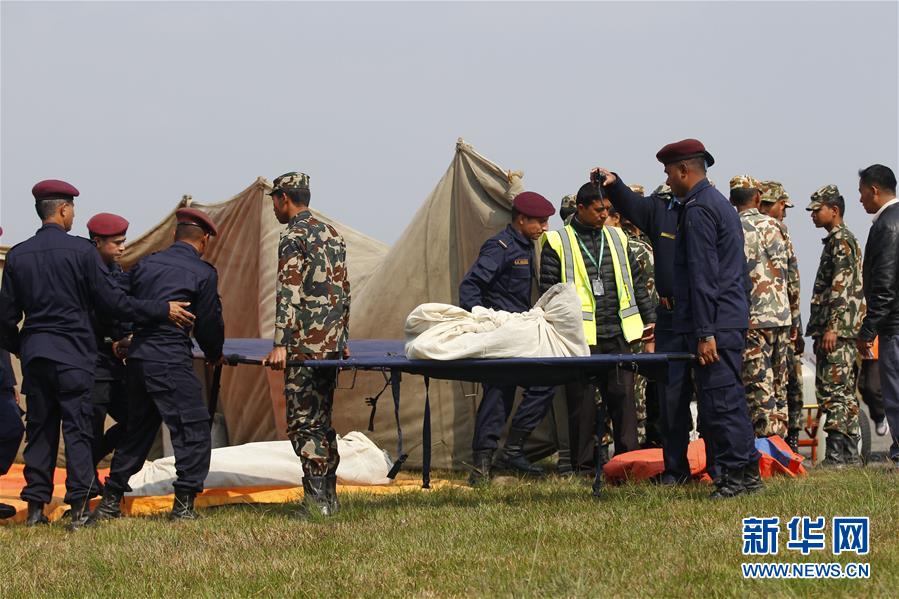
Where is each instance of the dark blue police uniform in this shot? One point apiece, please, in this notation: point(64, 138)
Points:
point(712, 299)
point(109, 396)
point(658, 218)
point(162, 384)
point(501, 279)
point(11, 427)
point(56, 279)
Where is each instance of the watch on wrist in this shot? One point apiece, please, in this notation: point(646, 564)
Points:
point(707, 338)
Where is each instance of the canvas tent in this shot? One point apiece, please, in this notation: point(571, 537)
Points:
point(470, 203)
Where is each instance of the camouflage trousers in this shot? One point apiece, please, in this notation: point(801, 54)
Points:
point(765, 379)
point(310, 398)
point(640, 384)
point(836, 375)
point(794, 389)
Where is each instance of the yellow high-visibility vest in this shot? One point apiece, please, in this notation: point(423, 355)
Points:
point(574, 270)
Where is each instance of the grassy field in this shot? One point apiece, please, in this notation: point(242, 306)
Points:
point(547, 538)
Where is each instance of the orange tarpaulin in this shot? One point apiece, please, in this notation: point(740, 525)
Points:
point(646, 463)
point(11, 485)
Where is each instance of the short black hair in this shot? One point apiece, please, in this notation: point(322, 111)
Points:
point(299, 197)
point(878, 175)
point(189, 232)
point(838, 203)
point(588, 193)
point(740, 196)
point(46, 208)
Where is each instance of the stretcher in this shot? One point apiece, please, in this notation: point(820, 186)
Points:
point(388, 356)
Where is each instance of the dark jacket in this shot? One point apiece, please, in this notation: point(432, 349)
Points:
point(608, 322)
point(57, 279)
point(108, 329)
point(501, 276)
point(178, 274)
point(880, 276)
point(711, 284)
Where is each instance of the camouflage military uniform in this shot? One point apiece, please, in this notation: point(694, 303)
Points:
point(772, 192)
point(837, 305)
point(641, 249)
point(568, 208)
point(311, 321)
point(770, 319)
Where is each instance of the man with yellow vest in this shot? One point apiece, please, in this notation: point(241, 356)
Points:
point(616, 312)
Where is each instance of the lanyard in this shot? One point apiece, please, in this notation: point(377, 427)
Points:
point(602, 250)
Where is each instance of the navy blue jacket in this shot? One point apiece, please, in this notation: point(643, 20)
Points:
point(501, 276)
point(108, 329)
point(658, 219)
point(178, 273)
point(57, 279)
point(711, 283)
point(7, 377)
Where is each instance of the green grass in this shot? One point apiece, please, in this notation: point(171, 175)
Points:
point(548, 538)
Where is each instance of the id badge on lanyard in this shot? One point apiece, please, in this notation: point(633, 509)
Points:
point(598, 289)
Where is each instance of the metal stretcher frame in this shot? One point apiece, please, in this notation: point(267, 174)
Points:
point(388, 356)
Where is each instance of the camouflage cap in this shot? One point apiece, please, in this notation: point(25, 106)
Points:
point(828, 194)
point(569, 202)
point(662, 190)
point(745, 182)
point(773, 191)
point(637, 188)
point(288, 181)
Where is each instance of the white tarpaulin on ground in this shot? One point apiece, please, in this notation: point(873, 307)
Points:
point(269, 463)
point(552, 329)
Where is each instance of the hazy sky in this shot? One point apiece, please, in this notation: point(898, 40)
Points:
point(139, 103)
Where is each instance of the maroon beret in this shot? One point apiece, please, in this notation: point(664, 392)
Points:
point(192, 216)
point(533, 204)
point(52, 189)
point(682, 150)
point(107, 225)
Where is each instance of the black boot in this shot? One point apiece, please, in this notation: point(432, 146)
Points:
point(850, 451)
point(36, 515)
point(183, 506)
point(728, 484)
point(480, 469)
point(752, 478)
point(563, 463)
point(110, 507)
point(600, 458)
point(6, 511)
point(79, 513)
point(515, 460)
point(793, 439)
point(316, 499)
point(833, 453)
point(333, 503)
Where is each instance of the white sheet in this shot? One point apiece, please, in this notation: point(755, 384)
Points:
point(269, 463)
point(552, 329)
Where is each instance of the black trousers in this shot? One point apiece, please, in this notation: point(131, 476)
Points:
point(870, 388)
point(57, 393)
point(170, 393)
point(497, 404)
point(11, 429)
point(588, 403)
point(108, 397)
